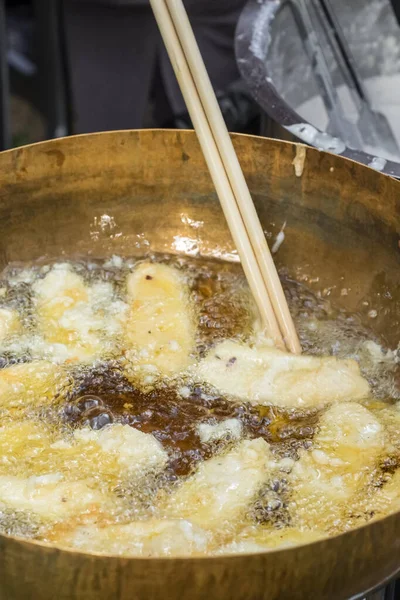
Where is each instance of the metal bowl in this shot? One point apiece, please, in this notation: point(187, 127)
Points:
point(132, 191)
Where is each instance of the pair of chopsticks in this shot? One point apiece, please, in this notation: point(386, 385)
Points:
point(226, 172)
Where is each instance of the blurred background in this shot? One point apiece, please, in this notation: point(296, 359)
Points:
point(77, 66)
point(74, 66)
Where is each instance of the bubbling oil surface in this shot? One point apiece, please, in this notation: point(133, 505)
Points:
point(98, 394)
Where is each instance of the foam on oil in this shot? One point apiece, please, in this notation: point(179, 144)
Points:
point(81, 445)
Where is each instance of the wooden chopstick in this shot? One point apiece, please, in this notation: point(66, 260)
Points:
point(234, 171)
point(217, 169)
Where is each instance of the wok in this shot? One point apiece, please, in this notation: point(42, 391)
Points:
point(127, 192)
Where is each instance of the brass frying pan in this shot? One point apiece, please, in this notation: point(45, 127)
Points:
point(95, 195)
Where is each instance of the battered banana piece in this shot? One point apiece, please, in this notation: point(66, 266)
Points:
point(65, 315)
point(143, 538)
point(38, 448)
point(22, 443)
point(32, 384)
point(34, 477)
point(10, 323)
point(268, 376)
point(222, 488)
point(50, 497)
point(54, 476)
point(137, 453)
point(344, 453)
point(160, 330)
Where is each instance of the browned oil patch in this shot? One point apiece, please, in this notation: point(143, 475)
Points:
point(105, 396)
